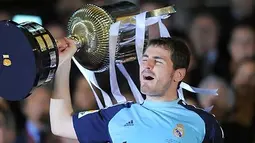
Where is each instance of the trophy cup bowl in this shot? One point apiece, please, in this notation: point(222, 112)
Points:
point(89, 27)
point(29, 53)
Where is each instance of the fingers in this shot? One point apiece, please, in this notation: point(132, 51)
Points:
point(71, 45)
point(70, 42)
point(66, 49)
point(61, 44)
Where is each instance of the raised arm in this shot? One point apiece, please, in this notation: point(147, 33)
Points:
point(60, 104)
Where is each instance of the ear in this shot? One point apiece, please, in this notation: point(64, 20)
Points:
point(179, 75)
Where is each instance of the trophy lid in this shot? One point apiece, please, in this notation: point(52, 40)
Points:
point(17, 63)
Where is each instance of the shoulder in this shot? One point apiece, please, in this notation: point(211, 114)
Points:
point(207, 117)
point(213, 130)
point(107, 112)
point(91, 126)
point(112, 110)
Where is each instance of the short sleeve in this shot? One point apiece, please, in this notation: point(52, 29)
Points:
point(92, 126)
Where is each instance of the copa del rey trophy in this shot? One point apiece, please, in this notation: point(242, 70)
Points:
point(104, 36)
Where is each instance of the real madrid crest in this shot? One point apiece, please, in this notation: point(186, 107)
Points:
point(179, 130)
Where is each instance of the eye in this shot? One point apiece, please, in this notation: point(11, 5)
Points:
point(159, 62)
point(144, 59)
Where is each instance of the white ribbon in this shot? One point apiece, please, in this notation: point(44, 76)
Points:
point(189, 88)
point(162, 29)
point(133, 87)
point(209, 109)
point(198, 90)
point(212, 92)
point(183, 85)
point(139, 38)
point(114, 33)
point(140, 35)
point(180, 94)
point(90, 77)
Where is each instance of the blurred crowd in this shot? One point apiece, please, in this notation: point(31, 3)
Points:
point(221, 37)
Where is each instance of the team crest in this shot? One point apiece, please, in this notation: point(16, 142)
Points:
point(179, 130)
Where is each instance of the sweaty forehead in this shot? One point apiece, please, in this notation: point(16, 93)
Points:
point(155, 50)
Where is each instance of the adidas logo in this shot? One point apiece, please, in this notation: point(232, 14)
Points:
point(130, 123)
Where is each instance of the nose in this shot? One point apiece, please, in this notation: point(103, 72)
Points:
point(149, 64)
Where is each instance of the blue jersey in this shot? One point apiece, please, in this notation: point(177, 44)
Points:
point(150, 122)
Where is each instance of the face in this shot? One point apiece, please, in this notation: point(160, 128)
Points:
point(4, 15)
point(37, 105)
point(156, 71)
point(203, 34)
point(242, 44)
point(2, 128)
point(221, 101)
point(245, 75)
point(3, 103)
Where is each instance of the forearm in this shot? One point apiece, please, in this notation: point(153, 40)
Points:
point(61, 86)
point(60, 104)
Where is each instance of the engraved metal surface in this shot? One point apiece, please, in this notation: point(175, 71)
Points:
point(45, 51)
point(90, 25)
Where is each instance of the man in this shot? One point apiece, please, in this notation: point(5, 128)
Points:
point(162, 118)
point(204, 33)
point(241, 45)
point(36, 109)
point(222, 104)
point(238, 128)
point(7, 125)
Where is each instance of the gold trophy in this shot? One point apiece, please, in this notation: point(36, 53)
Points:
point(30, 54)
point(90, 26)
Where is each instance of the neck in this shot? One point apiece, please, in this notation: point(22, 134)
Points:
point(169, 95)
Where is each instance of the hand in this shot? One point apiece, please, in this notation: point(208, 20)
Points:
point(66, 49)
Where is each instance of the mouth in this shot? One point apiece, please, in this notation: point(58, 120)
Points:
point(147, 77)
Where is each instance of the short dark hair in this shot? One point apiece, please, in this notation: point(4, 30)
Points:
point(244, 24)
point(179, 51)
